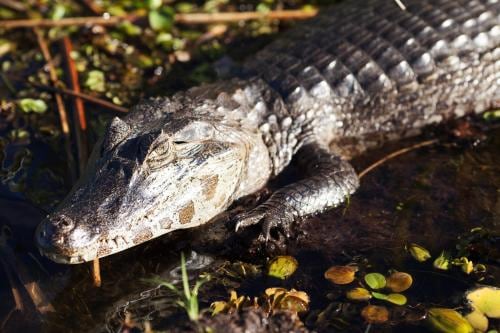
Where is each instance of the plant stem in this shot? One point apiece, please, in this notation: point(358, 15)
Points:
point(63, 115)
point(79, 115)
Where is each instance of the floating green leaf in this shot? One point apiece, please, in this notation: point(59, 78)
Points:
point(358, 294)
point(95, 81)
point(448, 321)
point(379, 295)
point(154, 4)
point(397, 299)
point(375, 280)
point(418, 252)
point(6, 46)
point(478, 320)
point(442, 262)
point(486, 300)
point(33, 105)
point(130, 29)
point(282, 267)
point(160, 20)
point(58, 12)
point(490, 115)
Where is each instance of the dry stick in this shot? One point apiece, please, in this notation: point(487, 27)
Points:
point(63, 115)
point(63, 22)
point(15, 5)
point(204, 18)
point(396, 154)
point(85, 97)
point(81, 128)
point(193, 18)
point(96, 272)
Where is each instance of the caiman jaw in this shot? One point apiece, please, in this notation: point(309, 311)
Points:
point(51, 238)
point(51, 246)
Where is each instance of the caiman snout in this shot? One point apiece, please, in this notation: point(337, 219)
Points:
point(58, 238)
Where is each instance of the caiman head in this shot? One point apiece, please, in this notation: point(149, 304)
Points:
point(145, 181)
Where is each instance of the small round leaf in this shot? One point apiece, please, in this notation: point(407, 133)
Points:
point(375, 280)
point(282, 267)
point(399, 281)
point(358, 294)
point(375, 314)
point(478, 320)
point(397, 299)
point(486, 300)
point(379, 295)
point(341, 274)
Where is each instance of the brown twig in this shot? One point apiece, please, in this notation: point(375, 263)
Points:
point(396, 154)
point(79, 116)
point(85, 97)
point(14, 5)
point(96, 272)
point(206, 18)
point(69, 92)
point(64, 22)
point(63, 115)
point(192, 18)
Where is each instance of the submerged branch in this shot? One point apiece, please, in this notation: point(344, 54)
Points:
point(396, 154)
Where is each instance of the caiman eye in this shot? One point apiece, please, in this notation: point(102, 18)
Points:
point(158, 153)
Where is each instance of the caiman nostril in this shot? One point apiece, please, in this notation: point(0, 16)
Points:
point(64, 222)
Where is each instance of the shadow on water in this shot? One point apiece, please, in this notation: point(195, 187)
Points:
point(431, 196)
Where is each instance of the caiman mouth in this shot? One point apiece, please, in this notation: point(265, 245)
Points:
point(102, 248)
point(56, 247)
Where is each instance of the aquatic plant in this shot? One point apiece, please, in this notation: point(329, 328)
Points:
point(188, 298)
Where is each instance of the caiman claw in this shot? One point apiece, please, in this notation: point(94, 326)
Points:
point(270, 219)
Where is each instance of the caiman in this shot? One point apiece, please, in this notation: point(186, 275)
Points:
point(360, 72)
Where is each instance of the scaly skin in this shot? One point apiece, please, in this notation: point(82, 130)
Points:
point(361, 72)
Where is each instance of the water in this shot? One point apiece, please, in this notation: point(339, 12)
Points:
point(432, 196)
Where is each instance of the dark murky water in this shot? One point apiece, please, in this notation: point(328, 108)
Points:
point(431, 196)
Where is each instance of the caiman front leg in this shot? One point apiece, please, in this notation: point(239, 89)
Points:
point(328, 182)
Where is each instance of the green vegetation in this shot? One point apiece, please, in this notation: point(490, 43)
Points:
point(187, 297)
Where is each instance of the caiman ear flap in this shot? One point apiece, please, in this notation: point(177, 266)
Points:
point(116, 132)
